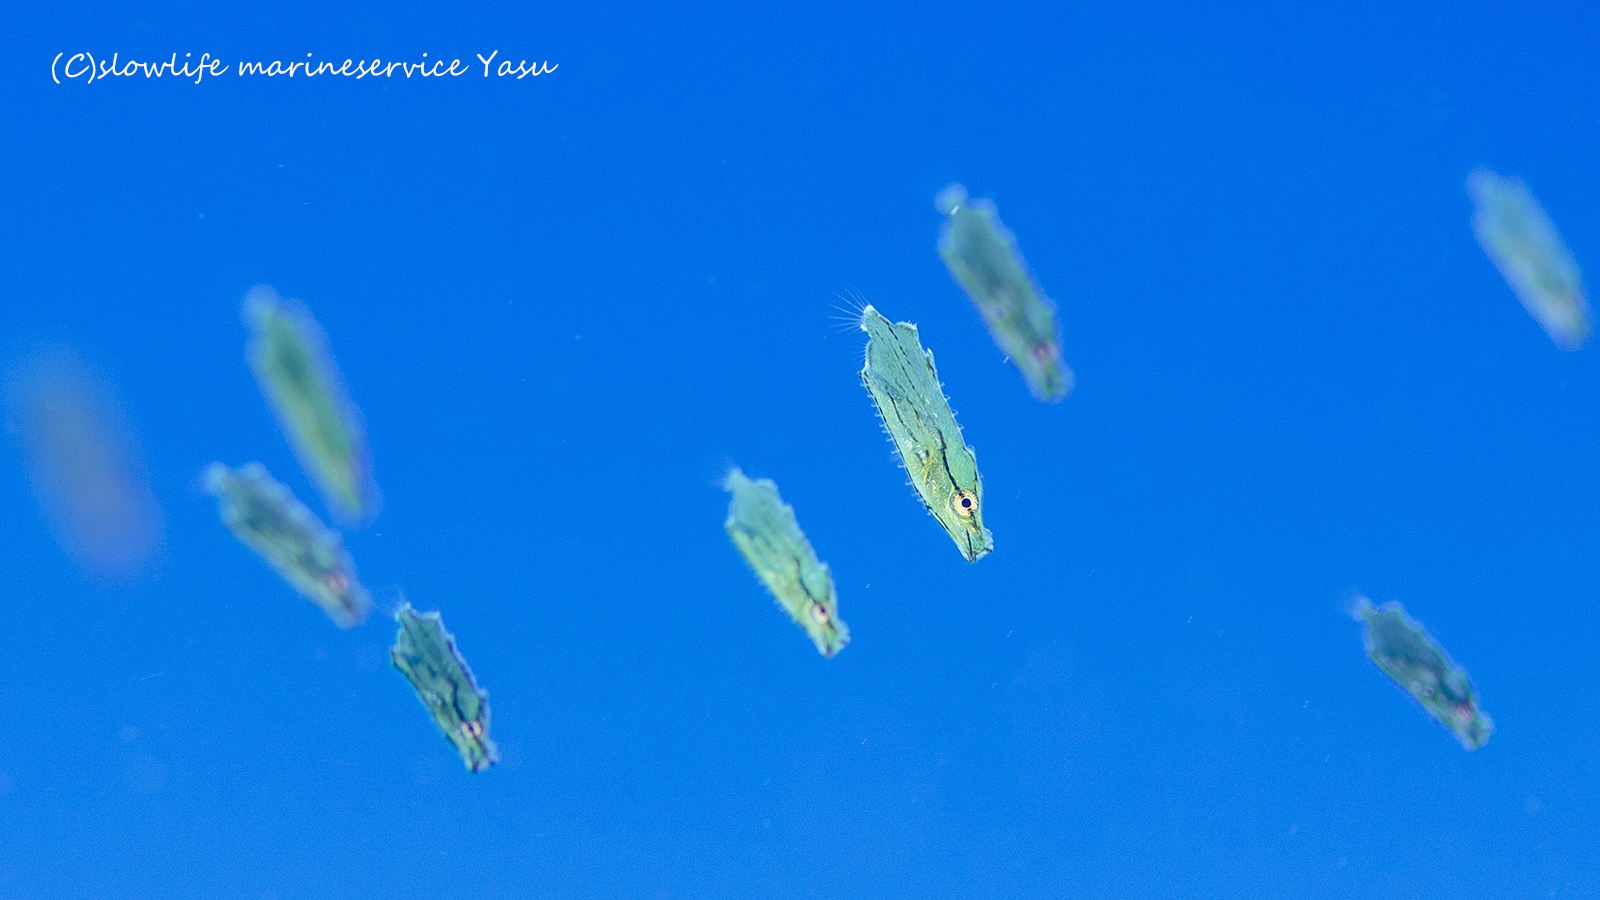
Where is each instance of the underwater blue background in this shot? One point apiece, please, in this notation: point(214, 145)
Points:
point(566, 304)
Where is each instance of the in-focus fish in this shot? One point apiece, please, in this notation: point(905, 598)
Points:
point(426, 656)
point(899, 375)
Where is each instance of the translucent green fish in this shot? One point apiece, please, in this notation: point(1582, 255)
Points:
point(764, 529)
point(290, 358)
point(899, 375)
point(266, 517)
point(1404, 651)
point(1525, 247)
point(983, 257)
point(426, 656)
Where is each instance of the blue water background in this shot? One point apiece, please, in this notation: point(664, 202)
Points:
point(566, 303)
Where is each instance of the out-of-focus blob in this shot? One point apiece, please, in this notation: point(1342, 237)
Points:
point(426, 656)
point(904, 385)
point(767, 534)
point(290, 358)
point(982, 255)
point(266, 517)
point(83, 462)
point(1529, 252)
point(1399, 646)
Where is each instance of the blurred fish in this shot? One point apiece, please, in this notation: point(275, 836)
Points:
point(982, 256)
point(1525, 246)
point(289, 355)
point(266, 517)
point(767, 534)
point(1397, 644)
point(83, 463)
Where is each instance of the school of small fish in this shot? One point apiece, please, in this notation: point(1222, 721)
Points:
point(91, 487)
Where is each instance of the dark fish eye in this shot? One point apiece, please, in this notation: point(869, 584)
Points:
point(965, 503)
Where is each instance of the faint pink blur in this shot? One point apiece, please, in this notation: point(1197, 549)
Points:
point(82, 461)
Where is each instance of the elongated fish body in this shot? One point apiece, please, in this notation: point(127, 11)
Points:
point(1524, 245)
point(266, 517)
point(982, 256)
point(899, 375)
point(289, 355)
point(425, 655)
point(767, 534)
point(1398, 645)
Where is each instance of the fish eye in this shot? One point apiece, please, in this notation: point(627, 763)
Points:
point(819, 612)
point(965, 503)
point(336, 581)
point(473, 728)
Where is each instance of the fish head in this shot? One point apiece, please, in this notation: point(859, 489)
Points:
point(820, 617)
point(957, 501)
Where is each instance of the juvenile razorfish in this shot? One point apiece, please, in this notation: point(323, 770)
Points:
point(1525, 246)
point(426, 656)
point(266, 517)
point(900, 376)
point(982, 256)
point(289, 355)
point(764, 529)
point(1399, 646)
